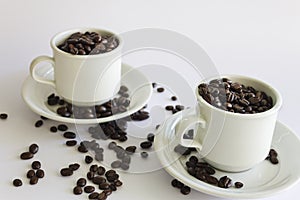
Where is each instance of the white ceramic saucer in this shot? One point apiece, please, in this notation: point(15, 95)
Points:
point(263, 180)
point(35, 95)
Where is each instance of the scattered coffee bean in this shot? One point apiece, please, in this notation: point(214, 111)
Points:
point(82, 149)
point(33, 180)
point(173, 98)
point(53, 129)
point(272, 157)
point(74, 166)
point(62, 127)
point(102, 196)
point(30, 173)
point(69, 135)
point(169, 107)
point(185, 190)
point(238, 184)
point(130, 150)
point(104, 186)
point(38, 123)
point(93, 195)
point(225, 182)
point(98, 180)
point(140, 115)
point(71, 143)
point(26, 155)
point(40, 173)
point(66, 172)
point(81, 182)
point(160, 89)
point(144, 154)
point(146, 145)
point(150, 137)
point(118, 183)
point(77, 190)
point(33, 148)
point(17, 182)
point(154, 85)
point(3, 116)
point(36, 165)
point(88, 159)
point(89, 189)
point(101, 170)
point(116, 164)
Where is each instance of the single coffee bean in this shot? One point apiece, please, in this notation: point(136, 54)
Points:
point(3, 116)
point(116, 164)
point(104, 186)
point(173, 98)
point(160, 89)
point(112, 177)
point(144, 154)
point(130, 150)
point(150, 137)
point(212, 180)
point(38, 123)
point(77, 190)
point(40, 173)
point(36, 165)
point(169, 107)
point(146, 145)
point(33, 148)
point(238, 184)
point(90, 175)
point(225, 182)
point(62, 127)
point(93, 168)
point(112, 145)
point(26, 155)
point(88, 159)
point(112, 187)
point(17, 182)
point(107, 192)
point(118, 183)
point(30, 173)
point(81, 182)
point(102, 196)
point(33, 180)
point(89, 189)
point(74, 166)
point(71, 143)
point(66, 172)
point(53, 129)
point(93, 195)
point(69, 135)
point(273, 153)
point(82, 149)
point(174, 182)
point(274, 160)
point(101, 170)
point(126, 159)
point(185, 190)
point(98, 180)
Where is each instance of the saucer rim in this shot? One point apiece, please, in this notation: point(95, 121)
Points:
point(51, 115)
point(209, 189)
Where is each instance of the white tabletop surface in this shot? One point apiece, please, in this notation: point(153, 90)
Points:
point(258, 38)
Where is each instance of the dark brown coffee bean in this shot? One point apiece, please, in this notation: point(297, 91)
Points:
point(225, 182)
point(36, 165)
point(161, 89)
point(273, 153)
point(150, 137)
point(130, 150)
point(30, 173)
point(212, 180)
point(169, 108)
point(90, 175)
point(238, 184)
point(40, 173)
point(33, 148)
point(93, 195)
point(17, 182)
point(146, 145)
point(102, 196)
point(82, 149)
point(66, 172)
point(81, 182)
point(26, 155)
point(88, 159)
point(53, 129)
point(98, 180)
point(77, 190)
point(62, 127)
point(93, 168)
point(74, 166)
point(112, 177)
point(174, 182)
point(144, 154)
point(33, 180)
point(71, 143)
point(104, 186)
point(38, 123)
point(3, 116)
point(112, 145)
point(185, 190)
point(69, 135)
point(118, 183)
point(89, 189)
point(274, 160)
point(173, 98)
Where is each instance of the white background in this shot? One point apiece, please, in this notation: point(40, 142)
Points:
point(257, 38)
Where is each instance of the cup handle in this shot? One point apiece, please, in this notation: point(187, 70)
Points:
point(37, 77)
point(184, 125)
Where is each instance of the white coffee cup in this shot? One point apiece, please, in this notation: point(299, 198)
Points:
point(82, 79)
point(229, 141)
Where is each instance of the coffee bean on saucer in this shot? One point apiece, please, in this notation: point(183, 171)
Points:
point(93, 195)
point(62, 127)
point(144, 154)
point(160, 89)
point(38, 123)
point(71, 143)
point(77, 190)
point(130, 150)
point(238, 184)
point(33, 148)
point(26, 155)
point(3, 116)
point(17, 182)
point(169, 108)
point(81, 182)
point(116, 164)
point(36, 165)
point(146, 145)
point(225, 182)
point(150, 137)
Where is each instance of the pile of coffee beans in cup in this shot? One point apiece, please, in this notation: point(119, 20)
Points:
point(235, 97)
point(89, 43)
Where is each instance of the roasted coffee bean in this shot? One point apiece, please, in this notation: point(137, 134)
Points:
point(123, 138)
point(173, 98)
point(30, 173)
point(88, 159)
point(273, 153)
point(274, 160)
point(212, 180)
point(174, 182)
point(161, 89)
point(126, 159)
point(98, 180)
point(38, 123)
point(93, 168)
point(69, 135)
point(77, 190)
point(82, 149)
point(74, 166)
point(81, 182)
point(112, 187)
point(144, 154)
point(169, 107)
point(130, 150)
point(99, 157)
point(62, 127)
point(101, 170)
point(104, 186)
point(140, 116)
point(90, 175)
point(116, 164)
point(102, 196)
point(89, 189)
point(179, 107)
point(66, 172)
point(185, 190)
point(36, 165)
point(71, 143)
point(33, 148)
point(3, 116)
point(40, 173)
point(124, 166)
point(17, 182)
point(238, 184)
point(146, 145)
point(118, 183)
point(53, 129)
point(93, 195)
point(33, 180)
point(26, 155)
point(150, 137)
point(225, 182)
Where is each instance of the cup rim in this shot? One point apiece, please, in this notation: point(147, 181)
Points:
point(274, 109)
point(68, 32)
